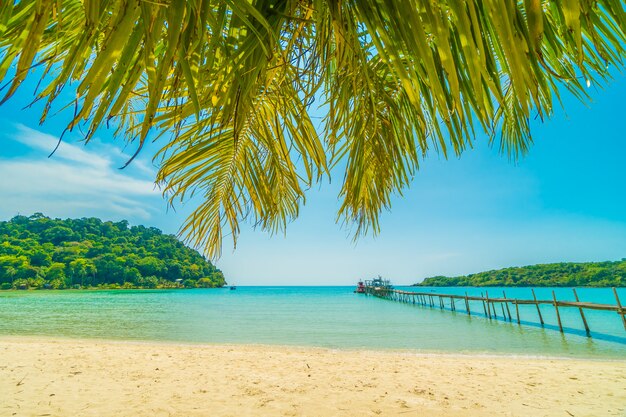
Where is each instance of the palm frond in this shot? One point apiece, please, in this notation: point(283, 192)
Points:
point(228, 86)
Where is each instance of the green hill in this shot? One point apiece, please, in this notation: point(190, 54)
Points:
point(40, 252)
point(564, 274)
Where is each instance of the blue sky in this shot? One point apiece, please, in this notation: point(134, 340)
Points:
point(565, 201)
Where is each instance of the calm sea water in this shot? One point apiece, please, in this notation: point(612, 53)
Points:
point(331, 317)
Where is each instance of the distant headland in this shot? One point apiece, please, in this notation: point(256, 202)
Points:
point(563, 274)
point(38, 252)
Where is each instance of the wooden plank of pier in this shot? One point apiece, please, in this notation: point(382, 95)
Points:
point(592, 306)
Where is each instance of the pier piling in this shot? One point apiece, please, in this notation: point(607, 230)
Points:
point(582, 314)
point(621, 310)
point(484, 308)
point(507, 305)
point(537, 304)
point(558, 315)
point(489, 304)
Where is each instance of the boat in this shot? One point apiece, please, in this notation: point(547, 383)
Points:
point(360, 288)
point(379, 284)
point(232, 287)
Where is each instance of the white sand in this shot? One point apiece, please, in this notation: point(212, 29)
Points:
point(46, 377)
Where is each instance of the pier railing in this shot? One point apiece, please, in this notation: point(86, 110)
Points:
point(432, 300)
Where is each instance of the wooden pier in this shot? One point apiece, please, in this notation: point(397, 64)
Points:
point(383, 289)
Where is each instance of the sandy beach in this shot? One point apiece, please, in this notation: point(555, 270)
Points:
point(49, 377)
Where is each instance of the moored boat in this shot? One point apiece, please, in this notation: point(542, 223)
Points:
point(360, 288)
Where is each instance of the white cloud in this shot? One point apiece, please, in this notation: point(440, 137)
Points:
point(46, 143)
point(75, 181)
point(138, 164)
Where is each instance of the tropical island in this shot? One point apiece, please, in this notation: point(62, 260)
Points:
point(563, 274)
point(38, 252)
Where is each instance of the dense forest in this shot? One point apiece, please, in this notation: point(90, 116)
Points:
point(40, 252)
point(588, 274)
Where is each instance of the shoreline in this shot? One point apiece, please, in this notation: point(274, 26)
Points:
point(286, 347)
point(59, 377)
point(29, 290)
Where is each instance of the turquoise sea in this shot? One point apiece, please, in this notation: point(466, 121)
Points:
point(332, 317)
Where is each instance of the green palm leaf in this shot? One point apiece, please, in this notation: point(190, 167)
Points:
point(229, 85)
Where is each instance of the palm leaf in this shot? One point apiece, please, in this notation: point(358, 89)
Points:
point(228, 88)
